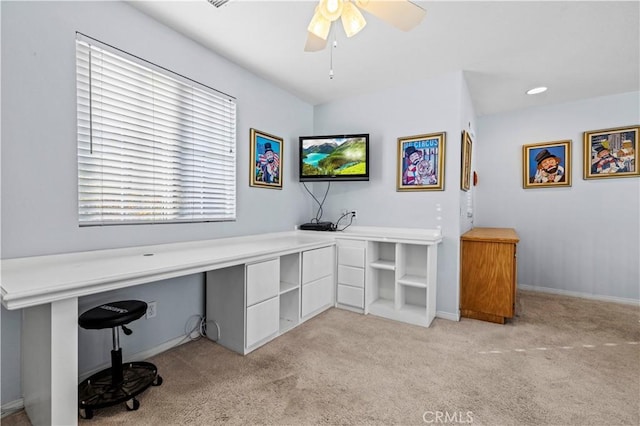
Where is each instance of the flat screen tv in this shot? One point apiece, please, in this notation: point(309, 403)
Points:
point(334, 158)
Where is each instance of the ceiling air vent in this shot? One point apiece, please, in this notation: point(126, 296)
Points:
point(218, 3)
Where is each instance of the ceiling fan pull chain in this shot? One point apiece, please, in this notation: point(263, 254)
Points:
point(333, 46)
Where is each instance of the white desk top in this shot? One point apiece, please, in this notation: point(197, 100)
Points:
point(399, 235)
point(32, 281)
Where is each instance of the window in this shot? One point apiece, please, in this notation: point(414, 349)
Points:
point(153, 146)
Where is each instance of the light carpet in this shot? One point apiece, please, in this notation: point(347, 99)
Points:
point(561, 361)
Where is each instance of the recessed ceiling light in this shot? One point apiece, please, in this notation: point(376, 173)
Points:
point(536, 90)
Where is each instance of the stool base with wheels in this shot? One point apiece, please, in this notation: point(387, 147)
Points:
point(120, 383)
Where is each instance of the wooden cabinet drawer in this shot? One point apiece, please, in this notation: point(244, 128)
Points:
point(263, 281)
point(316, 295)
point(317, 264)
point(351, 256)
point(263, 320)
point(351, 296)
point(351, 276)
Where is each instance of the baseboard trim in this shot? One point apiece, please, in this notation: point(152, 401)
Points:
point(12, 407)
point(349, 308)
point(140, 356)
point(579, 294)
point(448, 315)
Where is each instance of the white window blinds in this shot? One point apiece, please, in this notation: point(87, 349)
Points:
point(153, 146)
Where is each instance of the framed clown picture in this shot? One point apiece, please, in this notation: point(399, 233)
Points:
point(421, 162)
point(611, 153)
point(265, 160)
point(546, 164)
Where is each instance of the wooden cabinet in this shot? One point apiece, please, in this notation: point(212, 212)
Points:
point(488, 274)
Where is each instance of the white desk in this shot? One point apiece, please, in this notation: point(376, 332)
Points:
point(48, 287)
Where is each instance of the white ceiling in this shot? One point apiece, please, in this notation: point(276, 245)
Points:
point(578, 49)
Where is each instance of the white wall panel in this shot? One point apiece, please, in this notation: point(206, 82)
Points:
point(425, 107)
point(39, 169)
point(581, 239)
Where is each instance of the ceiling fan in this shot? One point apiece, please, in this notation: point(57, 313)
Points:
point(402, 14)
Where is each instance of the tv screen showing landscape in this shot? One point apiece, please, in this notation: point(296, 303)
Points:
point(343, 157)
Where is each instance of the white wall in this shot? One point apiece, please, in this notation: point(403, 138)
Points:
point(468, 123)
point(425, 107)
point(583, 239)
point(39, 172)
point(562, 247)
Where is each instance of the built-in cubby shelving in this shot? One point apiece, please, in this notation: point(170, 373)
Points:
point(388, 265)
point(401, 281)
point(413, 281)
point(289, 308)
point(286, 287)
point(289, 291)
point(253, 303)
point(383, 256)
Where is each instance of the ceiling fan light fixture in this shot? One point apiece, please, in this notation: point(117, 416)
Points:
point(319, 25)
point(352, 20)
point(331, 9)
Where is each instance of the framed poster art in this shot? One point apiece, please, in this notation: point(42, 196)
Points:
point(546, 164)
point(611, 153)
point(465, 169)
point(421, 162)
point(265, 160)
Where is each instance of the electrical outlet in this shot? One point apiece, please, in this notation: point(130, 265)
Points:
point(152, 309)
point(347, 212)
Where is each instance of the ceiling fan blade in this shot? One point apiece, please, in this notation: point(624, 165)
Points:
point(314, 43)
point(402, 14)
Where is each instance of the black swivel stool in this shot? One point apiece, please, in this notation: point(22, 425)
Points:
point(120, 382)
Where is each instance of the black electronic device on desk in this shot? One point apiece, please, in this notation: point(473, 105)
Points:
point(318, 226)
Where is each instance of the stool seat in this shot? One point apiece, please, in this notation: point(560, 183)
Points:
point(112, 314)
point(120, 382)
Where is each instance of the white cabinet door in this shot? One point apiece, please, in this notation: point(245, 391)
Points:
point(317, 264)
point(263, 281)
point(317, 294)
point(263, 320)
point(351, 296)
point(351, 276)
point(351, 256)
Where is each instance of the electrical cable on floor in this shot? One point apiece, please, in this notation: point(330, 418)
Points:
point(204, 325)
point(190, 330)
point(197, 327)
